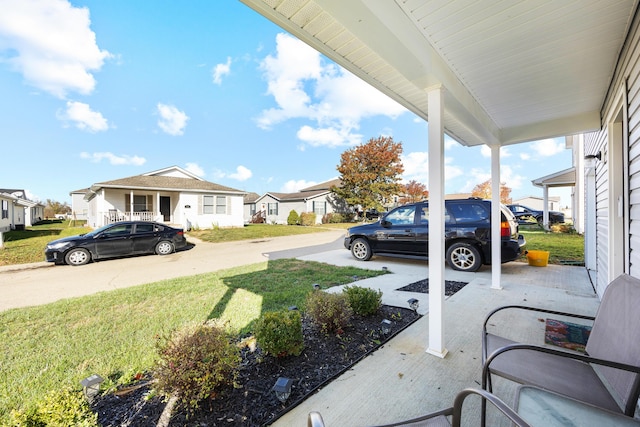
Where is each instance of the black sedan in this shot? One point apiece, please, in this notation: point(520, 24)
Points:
point(527, 215)
point(114, 240)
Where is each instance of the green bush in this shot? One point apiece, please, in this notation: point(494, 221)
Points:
point(334, 218)
point(307, 218)
point(279, 333)
point(60, 408)
point(196, 363)
point(293, 218)
point(330, 312)
point(363, 301)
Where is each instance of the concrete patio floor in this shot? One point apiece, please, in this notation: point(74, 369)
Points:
point(401, 381)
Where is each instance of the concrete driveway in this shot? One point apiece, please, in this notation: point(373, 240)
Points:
point(42, 283)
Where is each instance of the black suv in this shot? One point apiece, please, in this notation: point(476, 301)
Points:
point(404, 231)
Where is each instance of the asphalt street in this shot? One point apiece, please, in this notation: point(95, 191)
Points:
point(42, 283)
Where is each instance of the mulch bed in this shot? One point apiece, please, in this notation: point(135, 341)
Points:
point(252, 402)
point(422, 286)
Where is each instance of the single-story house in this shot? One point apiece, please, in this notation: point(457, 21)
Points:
point(79, 206)
point(250, 207)
point(22, 212)
point(171, 195)
point(275, 207)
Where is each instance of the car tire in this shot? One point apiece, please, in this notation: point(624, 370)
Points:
point(464, 257)
point(164, 248)
point(77, 256)
point(361, 250)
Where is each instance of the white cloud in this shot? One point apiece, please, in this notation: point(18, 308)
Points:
point(525, 156)
point(113, 159)
point(548, 147)
point(241, 174)
point(295, 186)
point(195, 169)
point(51, 44)
point(172, 120)
point(83, 117)
point(416, 167)
point(305, 87)
point(221, 70)
point(330, 136)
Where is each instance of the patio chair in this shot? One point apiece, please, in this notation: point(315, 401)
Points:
point(606, 376)
point(441, 418)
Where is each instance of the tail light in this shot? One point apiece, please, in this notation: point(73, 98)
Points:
point(180, 233)
point(505, 229)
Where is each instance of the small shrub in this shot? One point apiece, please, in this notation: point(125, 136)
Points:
point(60, 408)
point(334, 218)
point(293, 218)
point(363, 301)
point(308, 218)
point(279, 333)
point(330, 312)
point(563, 228)
point(195, 363)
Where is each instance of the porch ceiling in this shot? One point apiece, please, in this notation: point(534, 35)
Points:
point(512, 71)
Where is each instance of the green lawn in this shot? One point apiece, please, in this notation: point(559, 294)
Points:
point(114, 333)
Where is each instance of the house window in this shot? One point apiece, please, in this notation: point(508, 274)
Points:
point(207, 204)
point(272, 208)
point(140, 203)
point(252, 209)
point(320, 208)
point(5, 209)
point(221, 205)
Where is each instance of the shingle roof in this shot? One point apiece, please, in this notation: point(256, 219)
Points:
point(251, 197)
point(165, 183)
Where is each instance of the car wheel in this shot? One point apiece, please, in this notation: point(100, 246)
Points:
point(464, 257)
point(361, 250)
point(164, 248)
point(78, 256)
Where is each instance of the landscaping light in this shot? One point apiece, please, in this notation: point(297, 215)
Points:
point(282, 388)
point(385, 326)
point(384, 268)
point(413, 304)
point(293, 308)
point(91, 386)
point(316, 287)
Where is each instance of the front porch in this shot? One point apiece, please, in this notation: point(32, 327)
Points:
point(113, 215)
point(401, 381)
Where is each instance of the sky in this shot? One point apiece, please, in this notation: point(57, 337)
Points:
point(94, 90)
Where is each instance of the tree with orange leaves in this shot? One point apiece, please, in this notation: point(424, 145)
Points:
point(483, 191)
point(414, 191)
point(370, 173)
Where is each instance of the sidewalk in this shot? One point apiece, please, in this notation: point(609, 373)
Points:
point(400, 380)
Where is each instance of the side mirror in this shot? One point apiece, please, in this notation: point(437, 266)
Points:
point(385, 223)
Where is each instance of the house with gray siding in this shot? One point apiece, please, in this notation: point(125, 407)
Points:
point(275, 207)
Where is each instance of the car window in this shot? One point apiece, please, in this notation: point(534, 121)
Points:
point(424, 215)
point(145, 228)
point(518, 209)
point(402, 215)
point(117, 230)
point(468, 212)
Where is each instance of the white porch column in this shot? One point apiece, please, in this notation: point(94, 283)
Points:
point(496, 219)
point(131, 205)
point(436, 222)
point(157, 209)
point(545, 210)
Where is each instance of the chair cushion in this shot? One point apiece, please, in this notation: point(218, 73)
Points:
point(616, 334)
point(562, 375)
